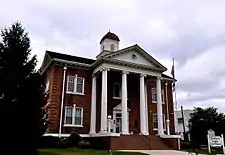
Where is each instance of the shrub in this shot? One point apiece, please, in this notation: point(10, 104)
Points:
point(48, 142)
point(84, 144)
point(74, 139)
point(63, 143)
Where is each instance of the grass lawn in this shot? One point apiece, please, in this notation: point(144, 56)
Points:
point(205, 151)
point(73, 151)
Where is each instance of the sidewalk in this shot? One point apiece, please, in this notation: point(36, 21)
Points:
point(161, 152)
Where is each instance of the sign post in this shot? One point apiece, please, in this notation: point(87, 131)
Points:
point(215, 141)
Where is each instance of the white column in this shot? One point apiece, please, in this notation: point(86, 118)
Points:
point(125, 129)
point(93, 106)
point(104, 101)
point(159, 107)
point(146, 109)
point(167, 112)
point(142, 104)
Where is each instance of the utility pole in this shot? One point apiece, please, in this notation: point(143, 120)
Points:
point(182, 114)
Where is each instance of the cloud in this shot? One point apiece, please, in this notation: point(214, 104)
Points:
point(190, 31)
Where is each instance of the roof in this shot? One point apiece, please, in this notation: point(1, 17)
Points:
point(166, 76)
point(70, 57)
point(110, 35)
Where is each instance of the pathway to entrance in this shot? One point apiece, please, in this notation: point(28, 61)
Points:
point(161, 152)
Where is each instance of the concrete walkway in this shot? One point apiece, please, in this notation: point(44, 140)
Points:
point(161, 152)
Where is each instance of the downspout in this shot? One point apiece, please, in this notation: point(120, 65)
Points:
point(62, 100)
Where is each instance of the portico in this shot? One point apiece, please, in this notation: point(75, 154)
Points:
point(104, 69)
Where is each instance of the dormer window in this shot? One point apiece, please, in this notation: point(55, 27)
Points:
point(112, 47)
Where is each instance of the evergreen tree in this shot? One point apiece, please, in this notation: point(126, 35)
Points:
point(21, 91)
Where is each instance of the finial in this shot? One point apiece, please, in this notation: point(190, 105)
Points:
point(109, 30)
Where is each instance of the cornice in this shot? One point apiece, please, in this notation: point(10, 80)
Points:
point(133, 65)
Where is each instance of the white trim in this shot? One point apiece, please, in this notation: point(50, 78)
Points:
point(155, 129)
point(83, 86)
point(105, 135)
point(164, 121)
point(73, 117)
point(71, 62)
point(71, 125)
point(139, 50)
point(127, 69)
point(75, 85)
point(170, 136)
point(117, 98)
point(162, 94)
point(64, 135)
point(73, 93)
point(118, 109)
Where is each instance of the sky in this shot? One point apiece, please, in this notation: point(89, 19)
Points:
point(192, 32)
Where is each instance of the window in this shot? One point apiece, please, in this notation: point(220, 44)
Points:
point(117, 90)
point(112, 47)
point(179, 120)
point(162, 93)
point(155, 122)
point(75, 84)
point(134, 56)
point(154, 95)
point(73, 116)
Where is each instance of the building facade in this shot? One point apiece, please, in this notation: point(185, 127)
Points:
point(181, 124)
point(121, 92)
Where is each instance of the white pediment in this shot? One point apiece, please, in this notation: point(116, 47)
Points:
point(119, 107)
point(133, 57)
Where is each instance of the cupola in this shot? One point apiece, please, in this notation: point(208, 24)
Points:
point(109, 42)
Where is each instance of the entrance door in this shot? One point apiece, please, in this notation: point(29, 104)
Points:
point(118, 122)
point(117, 118)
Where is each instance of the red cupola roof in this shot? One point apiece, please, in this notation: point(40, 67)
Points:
point(111, 36)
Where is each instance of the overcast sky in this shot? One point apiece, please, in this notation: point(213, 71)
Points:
point(191, 31)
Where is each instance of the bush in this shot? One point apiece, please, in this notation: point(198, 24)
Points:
point(63, 143)
point(74, 139)
point(84, 144)
point(48, 142)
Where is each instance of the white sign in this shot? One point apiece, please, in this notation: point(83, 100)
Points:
point(216, 141)
point(211, 133)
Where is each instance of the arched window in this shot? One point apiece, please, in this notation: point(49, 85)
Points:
point(112, 47)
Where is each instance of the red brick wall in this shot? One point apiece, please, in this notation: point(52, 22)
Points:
point(153, 106)
point(56, 76)
point(83, 101)
point(55, 80)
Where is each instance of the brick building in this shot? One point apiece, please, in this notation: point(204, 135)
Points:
point(121, 95)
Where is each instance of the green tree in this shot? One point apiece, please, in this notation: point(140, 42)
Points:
point(201, 120)
point(21, 91)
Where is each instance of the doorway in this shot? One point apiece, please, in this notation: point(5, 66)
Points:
point(117, 119)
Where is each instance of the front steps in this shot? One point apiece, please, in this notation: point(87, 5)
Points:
point(138, 142)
